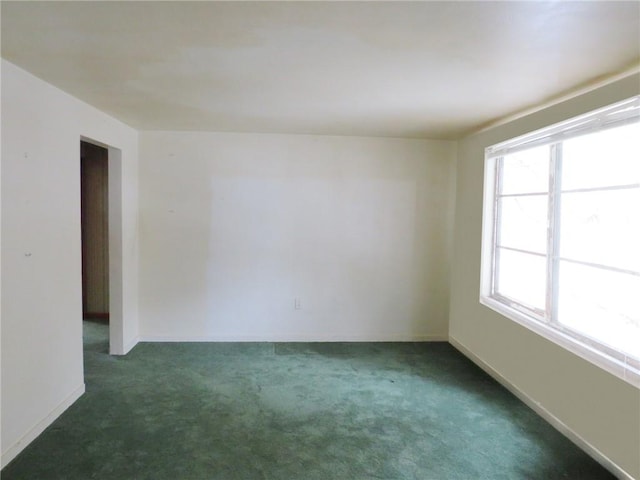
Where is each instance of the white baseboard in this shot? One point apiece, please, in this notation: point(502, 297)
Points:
point(40, 427)
point(129, 345)
point(126, 348)
point(294, 338)
point(596, 454)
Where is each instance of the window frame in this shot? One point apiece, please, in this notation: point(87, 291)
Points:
point(545, 322)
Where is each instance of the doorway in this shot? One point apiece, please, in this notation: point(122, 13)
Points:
point(94, 207)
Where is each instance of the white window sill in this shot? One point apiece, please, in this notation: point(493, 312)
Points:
point(622, 370)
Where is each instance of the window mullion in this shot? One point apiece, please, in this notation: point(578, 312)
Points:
point(496, 224)
point(553, 235)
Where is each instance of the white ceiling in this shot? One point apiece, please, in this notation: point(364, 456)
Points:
point(409, 69)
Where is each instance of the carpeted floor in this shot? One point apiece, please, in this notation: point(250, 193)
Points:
point(295, 412)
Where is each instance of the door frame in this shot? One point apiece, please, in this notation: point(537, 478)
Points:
point(115, 228)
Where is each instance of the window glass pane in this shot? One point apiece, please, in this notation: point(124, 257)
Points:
point(523, 223)
point(526, 171)
point(602, 304)
point(606, 158)
point(522, 277)
point(602, 227)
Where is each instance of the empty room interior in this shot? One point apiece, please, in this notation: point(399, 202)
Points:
point(320, 240)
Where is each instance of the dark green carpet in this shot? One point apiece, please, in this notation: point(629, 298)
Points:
point(295, 411)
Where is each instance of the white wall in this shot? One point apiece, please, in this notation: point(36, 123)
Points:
point(596, 407)
point(42, 371)
point(234, 227)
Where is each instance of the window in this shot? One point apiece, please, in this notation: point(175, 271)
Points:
point(561, 234)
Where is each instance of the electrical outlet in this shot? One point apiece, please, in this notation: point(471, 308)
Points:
point(297, 305)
